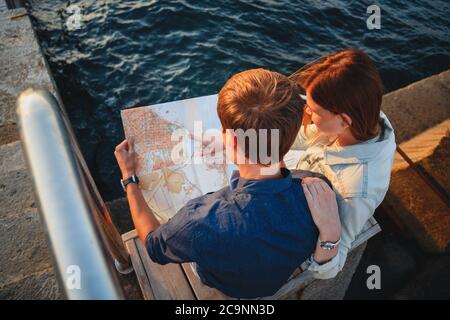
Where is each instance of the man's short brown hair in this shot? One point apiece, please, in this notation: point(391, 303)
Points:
point(262, 99)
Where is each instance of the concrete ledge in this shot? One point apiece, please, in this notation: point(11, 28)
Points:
point(419, 106)
point(420, 114)
point(3, 6)
point(429, 150)
point(418, 208)
point(16, 194)
point(23, 66)
point(25, 263)
point(25, 244)
point(37, 286)
point(11, 158)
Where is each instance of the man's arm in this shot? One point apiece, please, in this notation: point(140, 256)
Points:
point(143, 218)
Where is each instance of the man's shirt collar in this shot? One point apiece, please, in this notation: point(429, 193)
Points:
point(261, 186)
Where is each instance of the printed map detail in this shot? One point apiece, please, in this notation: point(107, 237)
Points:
point(167, 186)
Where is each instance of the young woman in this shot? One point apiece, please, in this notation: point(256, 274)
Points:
point(348, 139)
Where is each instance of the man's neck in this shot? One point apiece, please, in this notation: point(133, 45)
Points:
point(259, 172)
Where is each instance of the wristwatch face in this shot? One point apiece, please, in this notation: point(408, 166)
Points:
point(327, 245)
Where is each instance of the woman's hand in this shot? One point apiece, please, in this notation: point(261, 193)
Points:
point(210, 144)
point(324, 210)
point(126, 158)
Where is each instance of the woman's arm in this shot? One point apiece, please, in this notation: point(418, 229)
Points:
point(324, 211)
point(354, 213)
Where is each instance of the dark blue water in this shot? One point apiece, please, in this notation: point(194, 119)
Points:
point(131, 53)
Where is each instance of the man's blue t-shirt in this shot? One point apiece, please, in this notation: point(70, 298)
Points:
point(246, 239)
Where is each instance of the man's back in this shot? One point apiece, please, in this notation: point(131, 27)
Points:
point(245, 240)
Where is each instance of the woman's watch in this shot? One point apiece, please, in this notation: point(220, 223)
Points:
point(127, 181)
point(328, 245)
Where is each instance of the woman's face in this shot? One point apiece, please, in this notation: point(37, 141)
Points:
point(327, 122)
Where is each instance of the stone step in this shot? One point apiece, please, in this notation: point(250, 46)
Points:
point(23, 66)
point(41, 285)
point(3, 6)
point(420, 115)
point(417, 206)
point(419, 106)
point(429, 150)
point(26, 264)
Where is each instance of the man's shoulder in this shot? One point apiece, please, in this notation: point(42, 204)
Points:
point(209, 198)
point(211, 203)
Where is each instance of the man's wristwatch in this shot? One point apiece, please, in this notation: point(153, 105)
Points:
point(328, 245)
point(125, 182)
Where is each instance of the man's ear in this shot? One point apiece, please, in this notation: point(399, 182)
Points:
point(229, 133)
point(229, 138)
point(347, 121)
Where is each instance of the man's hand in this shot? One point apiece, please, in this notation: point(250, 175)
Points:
point(126, 158)
point(324, 210)
point(143, 218)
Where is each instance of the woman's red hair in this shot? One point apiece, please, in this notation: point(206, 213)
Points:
point(346, 82)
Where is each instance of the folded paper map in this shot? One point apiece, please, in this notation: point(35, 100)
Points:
point(165, 184)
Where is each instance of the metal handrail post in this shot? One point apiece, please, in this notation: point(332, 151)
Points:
point(69, 207)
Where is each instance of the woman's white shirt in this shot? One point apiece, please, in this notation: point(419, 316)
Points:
point(360, 176)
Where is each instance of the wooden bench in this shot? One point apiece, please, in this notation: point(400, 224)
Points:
point(178, 281)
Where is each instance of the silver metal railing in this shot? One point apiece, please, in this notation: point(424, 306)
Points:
point(84, 242)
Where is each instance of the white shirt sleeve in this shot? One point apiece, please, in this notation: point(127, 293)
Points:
point(354, 213)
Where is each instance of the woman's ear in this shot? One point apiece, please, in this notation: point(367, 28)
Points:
point(346, 120)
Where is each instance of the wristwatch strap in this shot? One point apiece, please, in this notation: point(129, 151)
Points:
point(127, 181)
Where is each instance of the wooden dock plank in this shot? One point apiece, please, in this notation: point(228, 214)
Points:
point(202, 291)
point(139, 269)
point(168, 281)
point(129, 235)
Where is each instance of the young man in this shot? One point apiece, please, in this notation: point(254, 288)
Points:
point(248, 238)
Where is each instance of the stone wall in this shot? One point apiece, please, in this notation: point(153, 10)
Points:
point(26, 267)
point(420, 114)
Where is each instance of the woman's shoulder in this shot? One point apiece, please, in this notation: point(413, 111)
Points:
point(351, 180)
point(367, 178)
